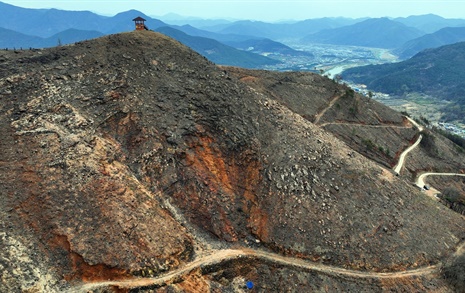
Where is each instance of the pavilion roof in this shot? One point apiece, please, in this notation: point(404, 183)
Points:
point(138, 19)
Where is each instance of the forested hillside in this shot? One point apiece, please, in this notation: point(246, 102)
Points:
point(436, 72)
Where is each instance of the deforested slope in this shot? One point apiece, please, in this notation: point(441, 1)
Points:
point(132, 155)
point(367, 126)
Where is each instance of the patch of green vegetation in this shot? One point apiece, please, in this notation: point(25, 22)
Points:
point(429, 145)
point(405, 113)
point(458, 140)
point(424, 120)
point(421, 99)
point(454, 111)
point(349, 93)
point(435, 72)
point(452, 195)
point(454, 273)
point(368, 144)
point(353, 111)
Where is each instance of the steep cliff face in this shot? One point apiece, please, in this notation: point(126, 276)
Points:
point(132, 155)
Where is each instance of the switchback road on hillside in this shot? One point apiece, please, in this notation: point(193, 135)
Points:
point(401, 161)
point(420, 128)
point(219, 256)
point(421, 179)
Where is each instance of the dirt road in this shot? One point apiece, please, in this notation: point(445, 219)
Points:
point(219, 256)
point(400, 164)
point(420, 128)
point(318, 117)
point(421, 179)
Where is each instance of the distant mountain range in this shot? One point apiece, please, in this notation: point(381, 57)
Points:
point(176, 19)
point(223, 38)
point(430, 23)
point(377, 33)
point(15, 40)
point(218, 52)
point(445, 36)
point(39, 28)
point(48, 22)
point(267, 46)
point(281, 31)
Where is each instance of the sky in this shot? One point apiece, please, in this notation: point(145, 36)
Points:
point(266, 10)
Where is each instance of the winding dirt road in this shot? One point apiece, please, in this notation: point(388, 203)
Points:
point(401, 161)
point(219, 256)
point(420, 128)
point(421, 179)
point(364, 125)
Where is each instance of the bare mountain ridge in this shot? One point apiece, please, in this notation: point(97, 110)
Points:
point(353, 118)
point(133, 155)
point(44, 28)
point(367, 126)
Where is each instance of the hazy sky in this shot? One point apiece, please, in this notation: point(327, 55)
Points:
point(268, 10)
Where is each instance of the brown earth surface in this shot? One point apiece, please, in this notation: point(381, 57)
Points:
point(131, 156)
